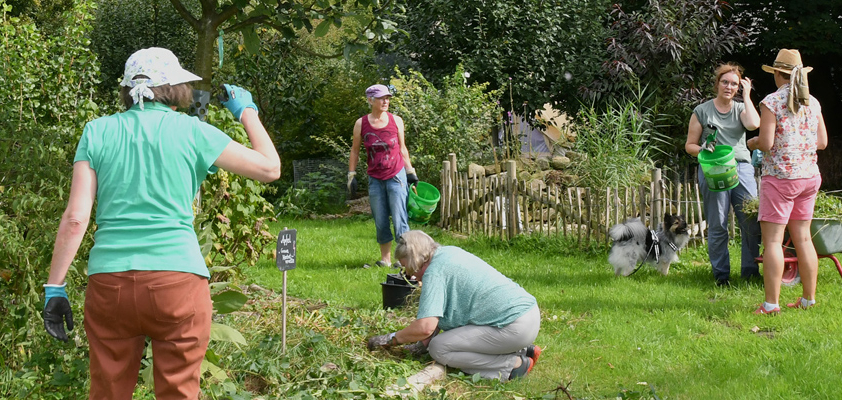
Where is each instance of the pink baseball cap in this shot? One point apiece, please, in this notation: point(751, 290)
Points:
point(377, 91)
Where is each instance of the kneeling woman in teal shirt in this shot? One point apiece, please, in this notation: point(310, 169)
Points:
point(488, 322)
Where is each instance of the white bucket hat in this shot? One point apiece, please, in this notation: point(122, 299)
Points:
point(161, 67)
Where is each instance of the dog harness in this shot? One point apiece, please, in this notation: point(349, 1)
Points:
point(654, 246)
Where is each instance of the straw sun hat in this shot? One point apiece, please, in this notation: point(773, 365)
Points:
point(788, 62)
point(785, 62)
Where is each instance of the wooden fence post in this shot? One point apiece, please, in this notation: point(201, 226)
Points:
point(511, 197)
point(656, 198)
point(454, 204)
point(445, 195)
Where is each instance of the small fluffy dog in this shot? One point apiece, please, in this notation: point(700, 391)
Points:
point(634, 243)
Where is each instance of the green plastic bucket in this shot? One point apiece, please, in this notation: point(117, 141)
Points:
point(422, 201)
point(719, 168)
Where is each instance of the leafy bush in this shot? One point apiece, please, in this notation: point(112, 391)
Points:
point(125, 26)
point(301, 98)
point(231, 223)
point(545, 50)
point(45, 102)
point(669, 46)
point(316, 193)
point(456, 118)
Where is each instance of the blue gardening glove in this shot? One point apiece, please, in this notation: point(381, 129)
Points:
point(57, 311)
point(411, 178)
point(238, 99)
point(756, 158)
point(352, 183)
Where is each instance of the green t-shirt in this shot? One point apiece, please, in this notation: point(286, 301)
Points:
point(461, 289)
point(731, 130)
point(149, 165)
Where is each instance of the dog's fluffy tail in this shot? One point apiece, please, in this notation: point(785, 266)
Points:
point(630, 229)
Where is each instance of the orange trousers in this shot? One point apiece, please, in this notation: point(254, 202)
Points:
point(173, 309)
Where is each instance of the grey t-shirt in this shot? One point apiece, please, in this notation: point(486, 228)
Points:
point(731, 129)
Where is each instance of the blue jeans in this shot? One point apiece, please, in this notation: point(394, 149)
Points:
point(388, 199)
point(717, 206)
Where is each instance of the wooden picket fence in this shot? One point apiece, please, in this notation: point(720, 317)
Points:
point(502, 206)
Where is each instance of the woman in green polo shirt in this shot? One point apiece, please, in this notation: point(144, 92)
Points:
point(488, 322)
point(146, 273)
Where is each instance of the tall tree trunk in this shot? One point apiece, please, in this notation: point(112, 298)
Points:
point(206, 48)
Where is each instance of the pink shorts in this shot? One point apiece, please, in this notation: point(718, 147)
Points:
point(783, 200)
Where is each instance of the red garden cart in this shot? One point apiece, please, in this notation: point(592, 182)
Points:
point(827, 238)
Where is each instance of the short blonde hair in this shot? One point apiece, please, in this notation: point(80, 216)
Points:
point(417, 248)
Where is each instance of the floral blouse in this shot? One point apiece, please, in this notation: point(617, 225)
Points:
point(793, 155)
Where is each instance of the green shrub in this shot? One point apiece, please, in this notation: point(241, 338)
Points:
point(456, 118)
point(46, 100)
point(301, 98)
point(125, 26)
point(231, 223)
point(316, 192)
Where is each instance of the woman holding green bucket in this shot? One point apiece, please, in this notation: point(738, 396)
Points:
point(791, 130)
point(389, 169)
point(730, 119)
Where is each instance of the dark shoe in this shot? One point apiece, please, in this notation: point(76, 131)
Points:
point(397, 265)
point(533, 352)
point(723, 282)
point(381, 264)
point(524, 368)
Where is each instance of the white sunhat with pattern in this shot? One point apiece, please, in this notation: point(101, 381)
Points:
point(159, 66)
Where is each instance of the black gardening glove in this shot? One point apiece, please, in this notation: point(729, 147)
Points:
point(383, 341)
point(411, 178)
point(57, 312)
point(416, 349)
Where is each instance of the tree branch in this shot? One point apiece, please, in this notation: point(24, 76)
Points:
point(227, 13)
point(251, 21)
point(185, 14)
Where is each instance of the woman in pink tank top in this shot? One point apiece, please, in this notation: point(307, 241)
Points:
point(389, 170)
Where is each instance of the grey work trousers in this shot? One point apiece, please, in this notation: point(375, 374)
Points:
point(486, 350)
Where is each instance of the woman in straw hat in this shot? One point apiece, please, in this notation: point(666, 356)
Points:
point(731, 119)
point(791, 130)
point(146, 273)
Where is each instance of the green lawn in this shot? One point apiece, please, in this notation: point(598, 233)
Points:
point(646, 336)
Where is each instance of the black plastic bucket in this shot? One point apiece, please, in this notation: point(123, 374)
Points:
point(395, 290)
